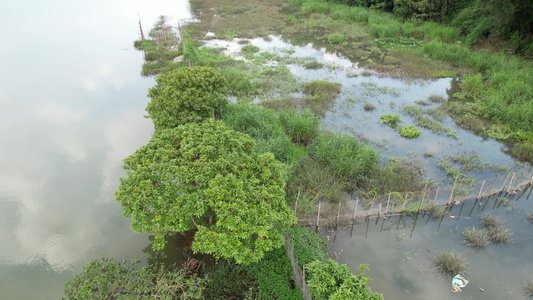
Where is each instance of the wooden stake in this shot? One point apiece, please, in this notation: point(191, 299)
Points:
point(481, 189)
point(503, 185)
point(355, 210)
point(453, 189)
point(379, 210)
point(423, 195)
point(436, 194)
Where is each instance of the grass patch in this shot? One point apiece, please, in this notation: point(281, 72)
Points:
point(347, 156)
point(301, 126)
point(336, 38)
point(313, 65)
point(449, 263)
point(320, 95)
point(265, 128)
point(523, 151)
point(425, 119)
point(434, 209)
point(368, 106)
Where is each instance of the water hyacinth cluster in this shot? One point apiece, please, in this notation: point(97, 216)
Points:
point(398, 42)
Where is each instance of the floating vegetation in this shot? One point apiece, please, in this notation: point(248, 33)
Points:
point(429, 154)
point(530, 217)
point(443, 74)
point(410, 132)
point(391, 120)
point(448, 263)
point(436, 99)
point(352, 75)
point(371, 89)
point(477, 238)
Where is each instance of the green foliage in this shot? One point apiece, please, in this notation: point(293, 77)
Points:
point(391, 120)
point(186, 95)
point(523, 151)
point(146, 45)
point(301, 126)
point(274, 277)
point(108, 279)
point(410, 132)
point(249, 51)
point(329, 280)
point(397, 42)
point(207, 177)
point(347, 156)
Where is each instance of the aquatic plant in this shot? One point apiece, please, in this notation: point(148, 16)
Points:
point(434, 209)
point(523, 151)
point(391, 120)
point(369, 106)
point(249, 50)
point(410, 132)
point(530, 217)
point(313, 65)
point(436, 99)
point(477, 238)
point(500, 235)
point(448, 263)
point(528, 289)
point(489, 221)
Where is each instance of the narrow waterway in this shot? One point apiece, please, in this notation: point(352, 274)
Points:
point(72, 103)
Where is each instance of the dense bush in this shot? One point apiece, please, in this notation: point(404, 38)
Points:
point(108, 279)
point(329, 280)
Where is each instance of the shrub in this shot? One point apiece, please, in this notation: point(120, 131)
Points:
point(186, 95)
point(108, 279)
point(228, 280)
point(410, 132)
point(329, 280)
point(308, 245)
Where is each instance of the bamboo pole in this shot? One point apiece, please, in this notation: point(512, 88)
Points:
point(379, 210)
point(437, 194)
point(453, 189)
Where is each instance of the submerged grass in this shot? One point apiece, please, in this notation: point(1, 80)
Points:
point(320, 95)
point(528, 289)
point(449, 263)
point(477, 238)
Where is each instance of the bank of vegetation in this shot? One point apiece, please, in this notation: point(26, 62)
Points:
point(229, 170)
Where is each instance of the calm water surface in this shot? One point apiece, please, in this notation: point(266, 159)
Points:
point(72, 103)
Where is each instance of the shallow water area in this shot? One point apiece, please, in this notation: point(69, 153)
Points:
point(73, 101)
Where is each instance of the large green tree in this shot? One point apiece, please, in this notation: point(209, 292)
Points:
point(186, 95)
point(208, 178)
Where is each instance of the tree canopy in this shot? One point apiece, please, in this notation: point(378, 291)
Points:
point(208, 178)
point(186, 95)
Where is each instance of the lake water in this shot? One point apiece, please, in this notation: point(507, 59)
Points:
point(72, 103)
